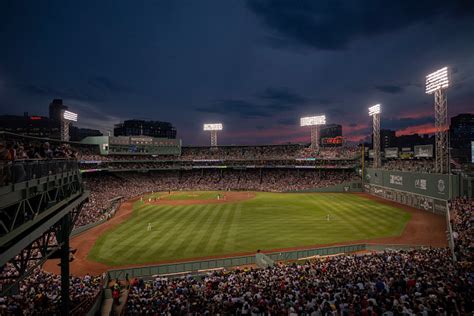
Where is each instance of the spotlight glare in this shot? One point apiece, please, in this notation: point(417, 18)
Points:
point(70, 116)
point(313, 120)
point(375, 109)
point(213, 127)
point(437, 80)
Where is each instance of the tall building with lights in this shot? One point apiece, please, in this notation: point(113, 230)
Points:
point(146, 128)
point(461, 136)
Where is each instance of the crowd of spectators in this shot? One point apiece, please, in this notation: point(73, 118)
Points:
point(462, 221)
point(40, 294)
point(410, 165)
point(239, 153)
point(418, 282)
point(24, 159)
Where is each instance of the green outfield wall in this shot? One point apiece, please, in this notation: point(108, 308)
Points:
point(201, 266)
point(438, 186)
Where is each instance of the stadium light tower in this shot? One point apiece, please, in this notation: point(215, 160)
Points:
point(213, 128)
point(66, 120)
point(437, 83)
point(374, 111)
point(314, 122)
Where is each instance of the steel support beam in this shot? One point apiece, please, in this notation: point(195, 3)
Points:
point(65, 130)
point(315, 137)
point(64, 239)
point(441, 136)
point(376, 140)
point(213, 138)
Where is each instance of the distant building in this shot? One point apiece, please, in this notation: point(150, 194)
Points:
point(387, 139)
point(77, 134)
point(56, 109)
point(405, 141)
point(35, 125)
point(461, 136)
point(145, 128)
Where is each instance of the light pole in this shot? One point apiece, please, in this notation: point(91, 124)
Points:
point(374, 111)
point(437, 83)
point(213, 128)
point(66, 120)
point(314, 122)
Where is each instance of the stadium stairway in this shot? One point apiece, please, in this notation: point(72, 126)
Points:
point(108, 308)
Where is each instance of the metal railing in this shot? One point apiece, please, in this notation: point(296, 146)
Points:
point(450, 233)
point(24, 170)
point(180, 268)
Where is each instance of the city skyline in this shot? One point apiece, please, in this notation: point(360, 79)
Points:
point(256, 66)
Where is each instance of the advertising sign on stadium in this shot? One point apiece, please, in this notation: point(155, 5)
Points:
point(391, 152)
point(396, 179)
point(424, 151)
point(406, 155)
point(426, 203)
point(338, 140)
point(406, 149)
point(432, 185)
point(421, 184)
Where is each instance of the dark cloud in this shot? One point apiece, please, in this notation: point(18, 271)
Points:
point(34, 89)
point(281, 96)
point(241, 108)
point(333, 25)
point(269, 102)
point(287, 121)
point(400, 123)
point(108, 85)
point(392, 89)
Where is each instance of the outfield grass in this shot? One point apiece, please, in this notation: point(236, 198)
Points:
point(269, 221)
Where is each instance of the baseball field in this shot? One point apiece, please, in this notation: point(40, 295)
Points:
point(182, 225)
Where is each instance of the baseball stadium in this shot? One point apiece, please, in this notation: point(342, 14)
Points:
point(110, 216)
point(215, 220)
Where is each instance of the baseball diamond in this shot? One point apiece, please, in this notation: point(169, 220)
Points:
point(244, 223)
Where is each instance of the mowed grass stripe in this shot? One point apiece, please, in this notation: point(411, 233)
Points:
point(138, 226)
point(224, 230)
point(231, 242)
point(386, 217)
point(139, 232)
point(119, 239)
point(167, 229)
point(269, 221)
point(207, 215)
point(140, 216)
point(217, 238)
point(339, 218)
point(179, 229)
point(338, 215)
point(203, 235)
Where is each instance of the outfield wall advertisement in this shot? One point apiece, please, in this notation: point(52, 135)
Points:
point(426, 184)
point(411, 199)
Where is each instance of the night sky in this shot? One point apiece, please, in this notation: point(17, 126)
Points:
point(256, 66)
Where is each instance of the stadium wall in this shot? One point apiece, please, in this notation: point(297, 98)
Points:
point(203, 266)
point(425, 191)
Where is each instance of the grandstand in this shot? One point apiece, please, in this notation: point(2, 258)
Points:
point(53, 191)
